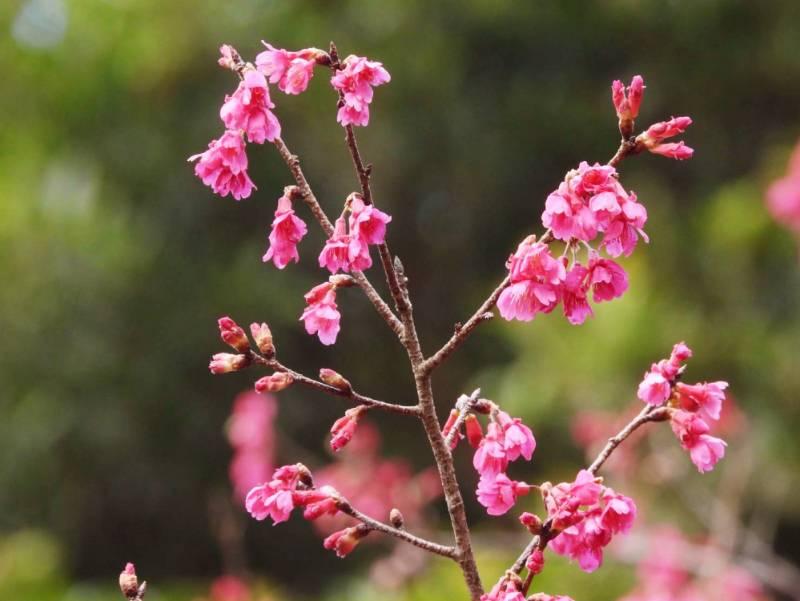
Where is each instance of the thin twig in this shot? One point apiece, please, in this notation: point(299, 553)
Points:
point(358, 399)
point(463, 405)
point(293, 163)
point(445, 551)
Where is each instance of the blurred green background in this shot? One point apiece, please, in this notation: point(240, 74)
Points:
point(116, 262)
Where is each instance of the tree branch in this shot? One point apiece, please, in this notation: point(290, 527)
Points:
point(293, 163)
point(358, 399)
point(430, 546)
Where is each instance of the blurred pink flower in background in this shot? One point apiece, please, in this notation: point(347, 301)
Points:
point(783, 195)
point(250, 433)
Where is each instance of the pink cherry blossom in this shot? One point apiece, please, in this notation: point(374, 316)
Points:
point(536, 279)
point(518, 440)
point(706, 398)
point(704, 450)
point(546, 597)
point(490, 457)
point(355, 82)
point(248, 109)
point(623, 230)
point(321, 315)
point(367, 223)
point(287, 231)
point(291, 70)
point(573, 295)
point(223, 167)
point(654, 388)
point(497, 493)
point(627, 102)
point(336, 253)
point(607, 279)
point(270, 500)
point(619, 512)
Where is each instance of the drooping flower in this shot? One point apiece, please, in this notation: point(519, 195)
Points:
point(291, 70)
point(490, 457)
point(623, 230)
point(274, 499)
point(654, 389)
point(536, 278)
point(248, 109)
point(336, 253)
point(706, 397)
point(498, 493)
point(367, 223)
point(607, 279)
point(692, 432)
point(355, 82)
point(321, 315)
point(518, 440)
point(287, 231)
point(223, 167)
point(574, 295)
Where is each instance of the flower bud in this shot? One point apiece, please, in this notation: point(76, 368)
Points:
point(128, 582)
point(474, 431)
point(396, 518)
point(343, 428)
point(263, 337)
point(448, 428)
point(229, 58)
point(344, 541)
point(223, 363)
point(335, 379)
point(278, 381)
point(233, 335)
point(532, 522)
point(535, 561)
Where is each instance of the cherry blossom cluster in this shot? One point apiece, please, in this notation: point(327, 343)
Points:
point(691, 407)
point(783, 195)
point(584, 516)
point(590, 201)
point(247, 113)
point(506, 440)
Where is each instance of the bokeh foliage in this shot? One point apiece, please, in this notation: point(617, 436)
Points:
point(116, 261)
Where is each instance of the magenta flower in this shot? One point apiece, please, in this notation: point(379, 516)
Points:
point(622, 232)
point(490, 457)
point(270, 500)
point(654, 388)
point(248, 109)
point(518, 440)
point(355, 82)
point(287, 231)
point(705, 398)
point(367, 223)
point(607, 279)
point(536, 279)
point(574, 295)
point(292, 71)
point(497, 493)
point(335, 254)
point(704, 450)
point(223, 167)
point(321, 315)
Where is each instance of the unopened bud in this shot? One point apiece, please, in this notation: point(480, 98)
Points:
point(229, 58)
point(263, 337)
point(396, 518)
point(223, 363)
point(344, 541)
point(335, 379)
point(343, 428)
point(532, 522)
point(278, 381)
point(448, 427)
point(128, 582)
point(233, 335)
point(474, 431)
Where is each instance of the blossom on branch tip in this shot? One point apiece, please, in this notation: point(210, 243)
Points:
point(654, 388)
point(653, 138)
point(287, 231)
point(367, 223)
point(275, 499)
point(233, 335)
point(223, 363)
point(692, 432)
point(518, 440)
point(355, 81)
point(705, 398)
point(248, 109)
point(627, 103)
point(321, 315)
point(223, 167)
